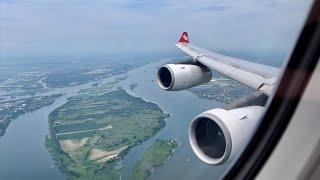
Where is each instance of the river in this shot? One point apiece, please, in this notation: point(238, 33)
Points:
point(182, 106)
point(24, 156)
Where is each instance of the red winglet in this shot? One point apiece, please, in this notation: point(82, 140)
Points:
point(184, 38)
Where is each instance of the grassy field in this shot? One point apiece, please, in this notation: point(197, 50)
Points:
point(92, 132)
point(155, 155)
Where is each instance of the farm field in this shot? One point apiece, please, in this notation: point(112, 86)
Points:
point(92, 132)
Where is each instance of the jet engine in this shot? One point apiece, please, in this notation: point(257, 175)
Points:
point(175, 77)
point(218, 135)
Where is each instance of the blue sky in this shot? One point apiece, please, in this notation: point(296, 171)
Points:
point(82, 27)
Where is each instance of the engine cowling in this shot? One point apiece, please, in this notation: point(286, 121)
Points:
point(175, 77)
point(217, 135)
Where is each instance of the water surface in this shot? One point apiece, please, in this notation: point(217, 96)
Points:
point(24, 156)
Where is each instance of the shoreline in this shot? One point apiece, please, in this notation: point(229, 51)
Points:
point(156, 155)
point(54, 146)
point(146, 100)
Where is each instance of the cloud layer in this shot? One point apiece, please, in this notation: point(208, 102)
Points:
point(145, 26)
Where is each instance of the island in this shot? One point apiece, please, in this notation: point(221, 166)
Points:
point(11, 109)
point(92, 132)
point(156, 155)
point(28, 87)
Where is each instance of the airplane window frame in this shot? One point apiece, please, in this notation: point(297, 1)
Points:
point(281, 107)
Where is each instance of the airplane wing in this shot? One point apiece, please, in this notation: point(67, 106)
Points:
point(218, 134)
point(257, 76)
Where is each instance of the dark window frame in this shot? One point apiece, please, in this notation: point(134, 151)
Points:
point(292, 84)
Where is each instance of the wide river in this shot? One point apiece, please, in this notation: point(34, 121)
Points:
point(24, 156)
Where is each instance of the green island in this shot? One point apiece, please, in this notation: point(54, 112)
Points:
point(92, 132)
point(154, 156)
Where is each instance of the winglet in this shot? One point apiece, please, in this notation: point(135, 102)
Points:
point(184, 38)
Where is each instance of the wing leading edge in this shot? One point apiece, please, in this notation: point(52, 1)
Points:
point(257, 76)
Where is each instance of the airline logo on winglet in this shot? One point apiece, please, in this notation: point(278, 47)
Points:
point(184, 38)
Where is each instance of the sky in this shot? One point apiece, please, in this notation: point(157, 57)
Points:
point(83, 27)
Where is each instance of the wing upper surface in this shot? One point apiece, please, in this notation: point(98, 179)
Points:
point(251, 74)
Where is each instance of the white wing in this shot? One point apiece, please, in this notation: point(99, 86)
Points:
point(258, 76)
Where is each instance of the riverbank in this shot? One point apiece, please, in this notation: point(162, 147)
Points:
point(182, 106)
point(10, 110)
point(91, 133)
point(24, 140)
point(156, 155)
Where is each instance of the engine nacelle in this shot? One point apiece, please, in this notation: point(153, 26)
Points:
point(175, 77)
point(217, 135)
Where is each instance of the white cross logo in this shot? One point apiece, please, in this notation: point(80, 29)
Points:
point(185, 38)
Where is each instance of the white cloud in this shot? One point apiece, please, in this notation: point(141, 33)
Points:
point(142, 26)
